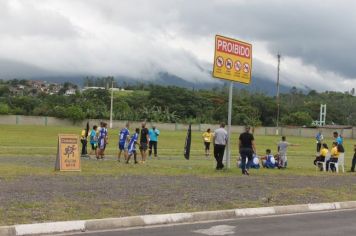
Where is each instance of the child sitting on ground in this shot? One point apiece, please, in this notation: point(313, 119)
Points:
point(253, 164)
point(269, 161)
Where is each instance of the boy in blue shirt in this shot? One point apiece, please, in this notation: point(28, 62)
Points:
point(153, 135)
point(124, 137)
point(94, 140)
point(269, 160)
point(103, 141)
point(132, 146)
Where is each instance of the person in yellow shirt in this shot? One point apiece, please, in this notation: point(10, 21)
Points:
point(83, 140)
point(322, 154)
point(333, 158)
point(207, 137)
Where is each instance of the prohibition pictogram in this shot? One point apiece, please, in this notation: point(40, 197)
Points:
point(228, 63)
point(219, 61)
point(237, 65)
point(246, 68)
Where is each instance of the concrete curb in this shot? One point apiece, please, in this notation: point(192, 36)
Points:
point(146, 220)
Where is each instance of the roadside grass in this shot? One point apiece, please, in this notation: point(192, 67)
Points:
point(30, 151)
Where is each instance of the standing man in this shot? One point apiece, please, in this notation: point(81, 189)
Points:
point(282, 151)
point(144, 138)
point(220, 139)
point(124, 137)
point(246, 148)
point(153, 137)
point(354, 160)
point(339, 140)
point(319, 139)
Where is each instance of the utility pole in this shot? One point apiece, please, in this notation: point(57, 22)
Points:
point(277, 97)
point(111, 104)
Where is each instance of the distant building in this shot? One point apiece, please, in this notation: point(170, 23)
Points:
point(92, 87)
point(70, 92)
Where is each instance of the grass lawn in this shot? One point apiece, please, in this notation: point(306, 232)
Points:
point(31, 191)
point(40, 141)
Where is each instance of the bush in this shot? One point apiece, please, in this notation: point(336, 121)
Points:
point(4, 109)
point(297, 118)
point(75, 113)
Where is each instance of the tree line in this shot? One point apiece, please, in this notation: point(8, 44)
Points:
point(175, 104)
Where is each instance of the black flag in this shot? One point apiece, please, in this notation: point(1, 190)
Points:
point(188, 141)
point(87, 130)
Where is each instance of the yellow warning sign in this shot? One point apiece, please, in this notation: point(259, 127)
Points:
point(232, 60)
point(68, 158)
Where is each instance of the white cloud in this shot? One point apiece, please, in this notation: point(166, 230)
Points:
point(139, 38)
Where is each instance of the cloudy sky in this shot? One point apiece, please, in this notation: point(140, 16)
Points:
point(140, 38)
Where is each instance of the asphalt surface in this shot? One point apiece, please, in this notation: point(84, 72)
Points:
point(310, 224)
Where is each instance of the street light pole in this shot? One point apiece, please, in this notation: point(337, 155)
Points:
point(277, 97)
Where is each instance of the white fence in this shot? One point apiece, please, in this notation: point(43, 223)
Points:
point(287, 131)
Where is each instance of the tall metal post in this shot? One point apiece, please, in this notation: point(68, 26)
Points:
point(277, 97)
point(322, 117)
point(228, 148)
point(111, 103)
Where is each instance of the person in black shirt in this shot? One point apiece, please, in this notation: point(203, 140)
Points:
point(354, 160)
point(144, 138)
point(246, 148)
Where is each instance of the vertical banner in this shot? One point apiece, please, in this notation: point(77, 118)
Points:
point(188, 141)
point(68, 158)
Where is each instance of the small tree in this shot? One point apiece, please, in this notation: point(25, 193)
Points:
point(297, 118)
point(75, 113)
point(4, 109)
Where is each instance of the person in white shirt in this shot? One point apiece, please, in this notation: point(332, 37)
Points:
point(220, 140)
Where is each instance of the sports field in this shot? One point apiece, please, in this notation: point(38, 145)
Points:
point(31, 191)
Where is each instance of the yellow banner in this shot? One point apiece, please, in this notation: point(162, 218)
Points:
point(68, 158)
point(232, 60)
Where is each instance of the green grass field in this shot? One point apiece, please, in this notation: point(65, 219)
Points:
point(41, 141)
point(31, 191)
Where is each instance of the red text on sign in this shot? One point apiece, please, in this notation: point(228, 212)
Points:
point(234, 48)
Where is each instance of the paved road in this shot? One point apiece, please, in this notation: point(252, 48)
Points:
point(311, 224)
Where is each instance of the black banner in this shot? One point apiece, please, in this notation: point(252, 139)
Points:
point(188, 141)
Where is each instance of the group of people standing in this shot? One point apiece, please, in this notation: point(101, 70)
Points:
point(148, 140)
point(220, 137)
point(98, 138)
point(247, 150)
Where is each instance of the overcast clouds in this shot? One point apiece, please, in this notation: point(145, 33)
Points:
point(139, 38)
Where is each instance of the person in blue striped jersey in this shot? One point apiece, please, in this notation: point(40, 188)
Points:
point(132, 146)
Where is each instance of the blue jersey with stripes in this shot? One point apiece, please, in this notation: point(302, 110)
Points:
point(133, 140)
point(123, 135)
point(103, 133)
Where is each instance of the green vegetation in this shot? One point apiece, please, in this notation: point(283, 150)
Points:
point(174, 104)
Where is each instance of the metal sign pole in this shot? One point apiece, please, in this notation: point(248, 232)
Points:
point(228, 149)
